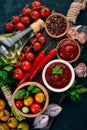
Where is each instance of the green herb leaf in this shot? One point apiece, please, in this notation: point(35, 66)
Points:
point(57, 70)
point(75, 91)
point(8, 68)
point(20, 94)
point(81, 90)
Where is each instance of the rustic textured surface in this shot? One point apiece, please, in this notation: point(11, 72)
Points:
point(74, 115)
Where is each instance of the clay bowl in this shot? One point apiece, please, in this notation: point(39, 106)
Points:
point(60, 81)
point(68, 49)
point(56, 25)
point(30, 114)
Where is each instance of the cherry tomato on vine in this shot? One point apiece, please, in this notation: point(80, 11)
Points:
point(36, 5)
point(18, 73)
point(26, 20)
point(34, 15)
point(37, 46)
point(26, 65)
point(9, 26)
point(21, 56)
point(16, 19)
point(20, 26)
point(30, 56)
point(34, 39)
point(42, 39)
point(38, 35)
point(45, 12)
point(26, 49)
point(39, 97)
point(35, 108)
point(19, 103)
point(26, 11)
point(18, 64)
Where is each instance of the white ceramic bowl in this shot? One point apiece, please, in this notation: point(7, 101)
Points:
point(70, 82)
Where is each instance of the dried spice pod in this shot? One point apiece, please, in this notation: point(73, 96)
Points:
point(81, 70)
point(41, 121)
point(53, 110)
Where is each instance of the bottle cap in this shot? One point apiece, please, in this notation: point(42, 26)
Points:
point(38, 25)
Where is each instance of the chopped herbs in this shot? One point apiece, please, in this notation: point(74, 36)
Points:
point(57, 70)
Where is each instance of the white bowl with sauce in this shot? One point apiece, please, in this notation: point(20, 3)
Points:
point(58, 75)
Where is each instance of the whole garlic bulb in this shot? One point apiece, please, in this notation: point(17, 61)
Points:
point(81, 70)
point(81, 37)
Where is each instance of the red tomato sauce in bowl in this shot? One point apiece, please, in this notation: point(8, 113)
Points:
point(58, 80)
point(58, 75)
point(68, 49)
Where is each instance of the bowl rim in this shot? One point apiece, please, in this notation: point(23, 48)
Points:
point(71, 81)
point(67, 26)
point(79, 50)
point(45, 105)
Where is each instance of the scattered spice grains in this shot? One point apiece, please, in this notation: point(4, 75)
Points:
point(56, 25)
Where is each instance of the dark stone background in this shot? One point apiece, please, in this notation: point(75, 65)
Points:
point(74, 115)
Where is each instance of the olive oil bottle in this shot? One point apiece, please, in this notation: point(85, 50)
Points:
point(11, 47)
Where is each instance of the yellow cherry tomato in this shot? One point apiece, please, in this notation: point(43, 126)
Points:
point(4, 126)
point(4, 115)
point(2, 104)
point(12, 122)
point(40, 97)
point(28, 101)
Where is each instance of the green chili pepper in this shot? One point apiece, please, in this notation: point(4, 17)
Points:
point(35, 90)
point(20, 94)
point(31, 87)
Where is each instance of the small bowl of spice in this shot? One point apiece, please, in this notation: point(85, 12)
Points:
point(56, 25)
point(68, 49)
point(58, 75)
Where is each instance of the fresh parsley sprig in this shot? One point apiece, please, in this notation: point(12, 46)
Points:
point(57, 70)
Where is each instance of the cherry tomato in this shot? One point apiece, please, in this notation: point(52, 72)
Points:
point(19, 103)
point(9, 26)
point(37, 46)
point(38, 35)
point(33, 40)
point(26, 49)
point(2, 104)
point(36, 4)
point(20, 26)
point(18, 73)
point(26, 20)
point(28, 101)
point(26, 11)
point(35, 108)
point(18, 64)
point(21, 56)
point(16, 19)
point(42, 39)
point(35, 15)
point(26, 65)
point(25, 109)
point(39, 97)
point(45, 12)
point(29, 56)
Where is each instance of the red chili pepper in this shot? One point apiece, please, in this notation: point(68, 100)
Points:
point(38, 59)
point(45, 60)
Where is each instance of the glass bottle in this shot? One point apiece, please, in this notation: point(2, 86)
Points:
point(10, 48)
